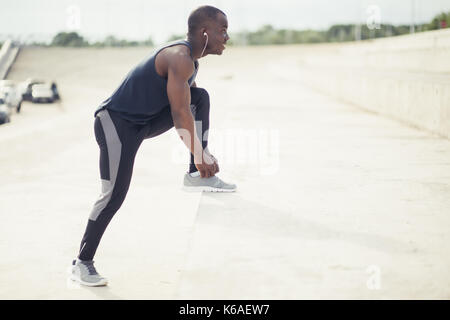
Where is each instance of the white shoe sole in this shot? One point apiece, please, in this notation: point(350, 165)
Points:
point(89, 284)
point(206, 189)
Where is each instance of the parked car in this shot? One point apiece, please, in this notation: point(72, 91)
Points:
point(5, 112)
point(11, 93)
point(55, 91)
point(42, 93)
point(26, 87)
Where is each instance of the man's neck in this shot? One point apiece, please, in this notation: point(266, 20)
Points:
point(196, 50)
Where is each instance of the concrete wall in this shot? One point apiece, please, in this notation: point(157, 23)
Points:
point(8, 54)
point(405, 77)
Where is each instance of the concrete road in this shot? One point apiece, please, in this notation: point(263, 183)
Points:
point(332, 201)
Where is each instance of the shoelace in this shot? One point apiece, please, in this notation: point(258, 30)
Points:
point(91, 268)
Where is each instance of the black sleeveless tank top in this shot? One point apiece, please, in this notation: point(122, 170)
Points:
point(143, 92)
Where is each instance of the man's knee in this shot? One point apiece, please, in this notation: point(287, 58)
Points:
point(205, 96)
point(201, 95)
point(203, 92)
point(202, 103)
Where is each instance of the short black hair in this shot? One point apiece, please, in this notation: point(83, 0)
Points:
point(198, 17)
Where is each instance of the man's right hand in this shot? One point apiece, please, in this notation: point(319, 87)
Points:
point(206, 166)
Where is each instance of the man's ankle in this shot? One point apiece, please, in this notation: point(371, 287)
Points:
point(192, 168)
point(194, 174)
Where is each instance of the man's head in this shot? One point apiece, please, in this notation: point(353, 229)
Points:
point(213, 22)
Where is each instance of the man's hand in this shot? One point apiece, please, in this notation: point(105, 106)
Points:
point(207, 166)
point(216, 163)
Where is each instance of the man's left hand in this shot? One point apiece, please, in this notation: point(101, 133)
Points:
point(216, 163)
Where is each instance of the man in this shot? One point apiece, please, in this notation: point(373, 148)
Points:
point(156, 95)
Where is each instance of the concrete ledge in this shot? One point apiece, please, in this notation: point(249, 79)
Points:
point(420, 52)
point(8, 54)
point(406, 77)
point(421, 100)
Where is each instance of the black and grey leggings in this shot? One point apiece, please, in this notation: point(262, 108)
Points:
point(119, 141)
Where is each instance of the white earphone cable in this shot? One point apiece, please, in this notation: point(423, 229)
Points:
point(205, 44)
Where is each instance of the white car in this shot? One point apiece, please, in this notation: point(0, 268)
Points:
point(42, 92)
point(5, 112)
point(26, 87)
point(11, 93)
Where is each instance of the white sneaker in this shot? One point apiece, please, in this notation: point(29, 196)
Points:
point(194, 182)
point(84, 272)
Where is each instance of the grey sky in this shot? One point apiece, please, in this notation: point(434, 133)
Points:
point(138, 19)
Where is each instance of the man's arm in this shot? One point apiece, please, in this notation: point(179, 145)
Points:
point(179, 70)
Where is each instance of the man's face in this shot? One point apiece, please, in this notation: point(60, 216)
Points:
point(218, 35)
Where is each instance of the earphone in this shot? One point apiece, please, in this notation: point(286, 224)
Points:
point(205, 34)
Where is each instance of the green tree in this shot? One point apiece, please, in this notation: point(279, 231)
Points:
point(148, 42)
point(440, 21)
point(69, 39)
point(339, 33)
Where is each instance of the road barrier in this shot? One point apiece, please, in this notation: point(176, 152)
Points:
point(8, 54)
point(405, 77)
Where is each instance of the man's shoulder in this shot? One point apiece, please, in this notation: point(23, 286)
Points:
point(179, 57)
point(180, 52)
point(181, 48)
